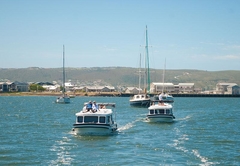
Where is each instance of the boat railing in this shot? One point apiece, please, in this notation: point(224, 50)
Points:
point(104, 104)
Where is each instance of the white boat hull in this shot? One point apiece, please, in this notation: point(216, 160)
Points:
point(63, 100)
point(88, 129)
point(140, 103)
point(160, 112)
point(140, 100)
point(160, 118)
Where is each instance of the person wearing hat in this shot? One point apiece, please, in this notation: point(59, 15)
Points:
point(89, 106)
point(94, 106)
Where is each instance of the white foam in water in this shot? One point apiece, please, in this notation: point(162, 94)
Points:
point(185, 118)
point(128, 125)
point(61, 149)
point(179, 145)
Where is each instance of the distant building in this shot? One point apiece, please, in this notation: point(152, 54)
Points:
point(69, 86)
point(3, 87)
point(79, 89)
point(100, 89)
point(227, 88)
point(133, 90)
point(156, 87)
point(186, 87)
point(233, 89)
point(14, 87)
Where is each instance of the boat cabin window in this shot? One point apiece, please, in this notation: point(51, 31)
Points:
point(102, 119)
point(79, 119)
point(161, 111)
point(108, 119)
point(91, 119)
point(111, 119)
point(168, 111)
point(151, 111)
point(156, 111)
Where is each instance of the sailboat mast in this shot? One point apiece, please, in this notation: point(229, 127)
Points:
point(147, 63)
point(164, 75)
point(63, 69)
point(139, 81)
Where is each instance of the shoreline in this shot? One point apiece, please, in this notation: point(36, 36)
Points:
point(110, 94)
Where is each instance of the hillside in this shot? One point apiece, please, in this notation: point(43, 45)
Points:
point(118, 76)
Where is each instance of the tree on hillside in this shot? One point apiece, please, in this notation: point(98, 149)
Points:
point(36, 87)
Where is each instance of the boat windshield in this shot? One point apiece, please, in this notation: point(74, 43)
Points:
point(102, 119)
point(79, 119)
point(91, 119)
point(161, 111)
point(168, 111)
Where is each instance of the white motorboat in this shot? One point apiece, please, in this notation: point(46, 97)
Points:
point(64, 99)
point(99, 122)
point(166, 98)
point(160, 112)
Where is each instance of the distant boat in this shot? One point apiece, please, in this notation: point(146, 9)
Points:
point(96, 122)
point(165, 97)
point(64, 99)
point(72, 96)
point(143, 99)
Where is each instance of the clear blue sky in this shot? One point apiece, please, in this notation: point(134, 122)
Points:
point(190, 34)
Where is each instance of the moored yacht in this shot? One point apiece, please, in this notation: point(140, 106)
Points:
point(141, 100)
point(96, 122)
point(160, 112)
point(64, 99)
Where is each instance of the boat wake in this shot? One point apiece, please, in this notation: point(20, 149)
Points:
point(128, 125)
point(179, 145)
point(61, 150)
point(185, 118)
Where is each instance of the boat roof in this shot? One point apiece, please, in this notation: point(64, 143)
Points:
point(157, 106)
point(100, 112)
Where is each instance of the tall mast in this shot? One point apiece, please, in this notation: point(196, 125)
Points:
point(164, 75)
point(63, 69)
point(147, 63)
point(139, 81)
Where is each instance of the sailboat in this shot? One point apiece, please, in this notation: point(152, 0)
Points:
point(64, 99)
point(143, 99)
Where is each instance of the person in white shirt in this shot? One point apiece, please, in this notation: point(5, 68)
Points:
point(160, 97)
point(94, 106)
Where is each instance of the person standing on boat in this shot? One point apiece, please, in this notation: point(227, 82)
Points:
point(94, 107)
point(89, 106)
point(160, 97)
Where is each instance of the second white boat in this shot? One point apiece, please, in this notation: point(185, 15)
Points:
point(160, 112)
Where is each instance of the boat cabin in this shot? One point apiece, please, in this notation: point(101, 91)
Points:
point(103, 115)
point(141, 96)
point(167, 111)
